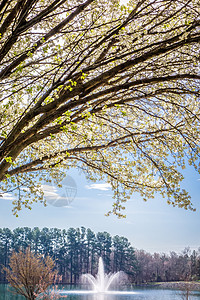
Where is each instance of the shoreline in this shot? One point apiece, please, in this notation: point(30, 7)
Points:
point(180, 285)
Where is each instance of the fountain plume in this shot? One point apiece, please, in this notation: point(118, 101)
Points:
point(102, 281)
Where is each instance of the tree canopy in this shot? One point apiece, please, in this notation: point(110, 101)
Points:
point(107, 88)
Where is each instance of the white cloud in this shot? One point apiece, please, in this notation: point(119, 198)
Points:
point(99, 186)
point(59, 197)
point(50, 191)
point(129, 222)
point(7, 196)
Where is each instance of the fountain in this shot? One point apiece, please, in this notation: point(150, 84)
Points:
point(102, 281)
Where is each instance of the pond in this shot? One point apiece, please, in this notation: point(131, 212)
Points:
point(134, 294)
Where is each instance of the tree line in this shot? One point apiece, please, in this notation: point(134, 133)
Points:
point(162, 267)
point(77, 251)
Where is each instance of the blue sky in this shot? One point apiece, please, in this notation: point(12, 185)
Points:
point(153, 225)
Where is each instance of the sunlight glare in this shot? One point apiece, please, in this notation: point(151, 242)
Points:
point(124, 1)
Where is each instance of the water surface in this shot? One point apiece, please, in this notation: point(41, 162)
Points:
point(134, 294)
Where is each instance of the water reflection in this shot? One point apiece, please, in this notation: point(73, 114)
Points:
point(101, 297)
point(137, 294)
point(5, 293)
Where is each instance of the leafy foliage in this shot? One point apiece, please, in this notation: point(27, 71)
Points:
point(110, 89)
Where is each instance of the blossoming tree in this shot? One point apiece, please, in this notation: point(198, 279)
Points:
point(30, 275)
point(108, 88)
